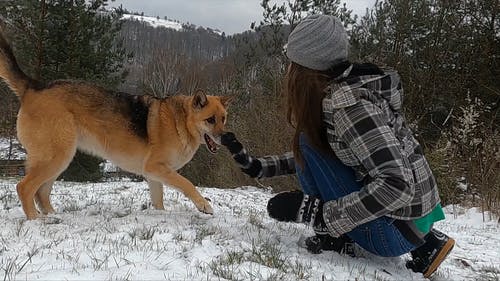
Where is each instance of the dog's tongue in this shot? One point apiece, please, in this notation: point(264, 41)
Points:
point(211, 145)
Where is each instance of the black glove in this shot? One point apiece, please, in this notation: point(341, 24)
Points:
point(295, 206)
point(249, 165)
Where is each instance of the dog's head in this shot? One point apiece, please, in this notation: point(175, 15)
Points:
point(210, 117)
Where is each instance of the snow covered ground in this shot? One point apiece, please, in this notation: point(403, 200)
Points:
point(107, 231)
point(17, 152)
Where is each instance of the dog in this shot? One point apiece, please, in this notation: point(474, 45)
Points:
point(140, 134)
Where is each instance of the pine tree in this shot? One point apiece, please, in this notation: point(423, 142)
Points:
point(68, 39)
point(444, 50)
point(288, 14)
point(263, 56)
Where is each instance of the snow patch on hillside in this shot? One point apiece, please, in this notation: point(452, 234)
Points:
point(154, 22)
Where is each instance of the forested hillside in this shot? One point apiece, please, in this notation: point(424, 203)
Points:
point(154, 47)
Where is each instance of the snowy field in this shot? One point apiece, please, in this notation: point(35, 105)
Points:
point(107, 231)
point(6, 152)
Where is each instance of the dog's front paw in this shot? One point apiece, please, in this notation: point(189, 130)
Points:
point(33, 215)
point(204, 207)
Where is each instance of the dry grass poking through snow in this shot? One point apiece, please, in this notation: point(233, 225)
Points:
point(107, 231)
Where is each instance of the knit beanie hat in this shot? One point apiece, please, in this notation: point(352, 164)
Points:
point(318, 42)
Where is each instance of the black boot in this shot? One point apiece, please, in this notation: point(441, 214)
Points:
point(428, 257)
point(324, 242)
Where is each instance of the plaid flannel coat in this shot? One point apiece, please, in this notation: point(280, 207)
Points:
point(366, 129)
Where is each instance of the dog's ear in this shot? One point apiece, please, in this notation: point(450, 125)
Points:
point(199, 99)
point(226, 100)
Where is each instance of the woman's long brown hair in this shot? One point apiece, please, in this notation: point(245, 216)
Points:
point(305, 92)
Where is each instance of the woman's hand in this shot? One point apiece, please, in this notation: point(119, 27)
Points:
point(295, 206)
point(248, 164)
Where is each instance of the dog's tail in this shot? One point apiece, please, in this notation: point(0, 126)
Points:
point(10, 71)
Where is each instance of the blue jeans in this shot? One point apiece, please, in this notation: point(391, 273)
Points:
point(328, 178)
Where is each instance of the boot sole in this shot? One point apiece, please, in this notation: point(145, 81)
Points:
point(440, 257)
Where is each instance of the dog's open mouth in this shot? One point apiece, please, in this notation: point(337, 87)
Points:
point(211, 145)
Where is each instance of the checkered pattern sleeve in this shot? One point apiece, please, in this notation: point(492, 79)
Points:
point(277, 165)
point(362, 127)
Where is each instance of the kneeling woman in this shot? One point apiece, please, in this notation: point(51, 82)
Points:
point(363, 175)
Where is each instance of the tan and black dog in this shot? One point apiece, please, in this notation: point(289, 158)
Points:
point(143, 135)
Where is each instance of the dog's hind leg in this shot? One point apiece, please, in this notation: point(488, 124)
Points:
point(48, 155)
point(39, 173)
point(156, 192)
point(49, 134)
point(42, 197)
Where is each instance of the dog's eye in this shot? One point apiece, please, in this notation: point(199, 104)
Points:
point(211, 120)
